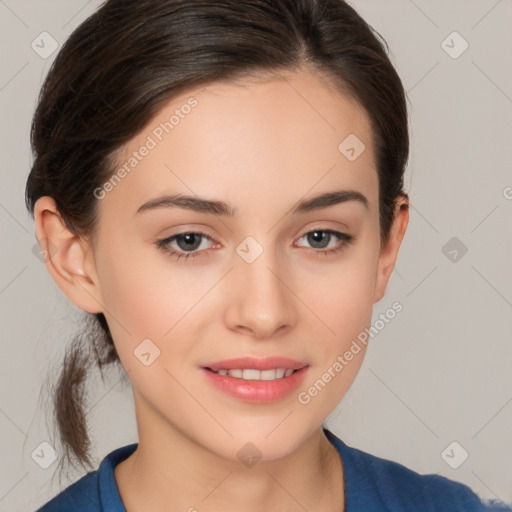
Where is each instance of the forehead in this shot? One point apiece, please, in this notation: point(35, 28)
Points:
point(278, 137)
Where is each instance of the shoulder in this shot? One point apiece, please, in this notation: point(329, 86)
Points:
point(94, 492)
point(377, 484)
point(81, 496)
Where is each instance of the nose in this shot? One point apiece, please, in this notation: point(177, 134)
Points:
point(260, 297)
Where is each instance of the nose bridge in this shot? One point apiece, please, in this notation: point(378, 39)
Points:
point(262, 301)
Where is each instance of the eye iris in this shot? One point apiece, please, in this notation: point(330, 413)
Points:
point(189, 237)
point(314, 235)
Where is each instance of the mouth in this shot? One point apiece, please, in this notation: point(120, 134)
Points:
point(254, 374)
point(258, 381)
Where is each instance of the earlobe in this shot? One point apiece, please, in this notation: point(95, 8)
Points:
point(389, 251)
point(68, 258)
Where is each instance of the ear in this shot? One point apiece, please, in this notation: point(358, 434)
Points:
point(68, 258)
point(389, 251)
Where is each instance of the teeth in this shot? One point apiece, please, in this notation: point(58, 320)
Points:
point(251, 374)
point(266, 374)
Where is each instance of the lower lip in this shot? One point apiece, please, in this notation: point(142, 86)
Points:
point(257, 391)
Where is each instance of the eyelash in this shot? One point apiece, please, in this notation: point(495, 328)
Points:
point(164, 243)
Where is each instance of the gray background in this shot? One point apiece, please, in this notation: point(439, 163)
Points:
point(439, 372)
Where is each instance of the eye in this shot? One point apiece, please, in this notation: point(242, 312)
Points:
point(190, 243)
point(187, 242)
point(320, 239)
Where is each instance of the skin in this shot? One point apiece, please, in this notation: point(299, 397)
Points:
point(260, 145)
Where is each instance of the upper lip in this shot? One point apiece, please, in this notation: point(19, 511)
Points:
point(267, 363)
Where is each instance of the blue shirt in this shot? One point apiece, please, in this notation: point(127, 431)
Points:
point(372, 484)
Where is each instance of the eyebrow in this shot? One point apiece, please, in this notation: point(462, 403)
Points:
point(208, 206)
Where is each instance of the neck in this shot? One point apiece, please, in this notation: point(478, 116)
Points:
point(175, 473)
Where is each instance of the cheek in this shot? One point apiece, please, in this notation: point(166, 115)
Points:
point(341, 293)
point(343, 306)
point(144, 295)
point(342, 300)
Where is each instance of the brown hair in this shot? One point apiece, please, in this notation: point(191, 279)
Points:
point(129, 58)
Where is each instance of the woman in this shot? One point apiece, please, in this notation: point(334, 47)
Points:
point(220, 186)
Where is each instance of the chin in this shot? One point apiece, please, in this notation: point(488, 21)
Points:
point(263, 443)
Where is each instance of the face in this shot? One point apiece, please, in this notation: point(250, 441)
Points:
point(185, 289)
